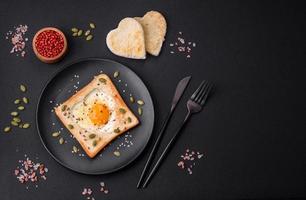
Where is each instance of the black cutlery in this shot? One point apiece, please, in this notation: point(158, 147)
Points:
point(194, 105)
point(180, 88)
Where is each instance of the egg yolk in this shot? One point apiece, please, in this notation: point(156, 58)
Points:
point(99, 114)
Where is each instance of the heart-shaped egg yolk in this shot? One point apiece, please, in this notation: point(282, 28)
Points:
point(99, 114)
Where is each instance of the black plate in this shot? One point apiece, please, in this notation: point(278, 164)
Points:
point(62, 85)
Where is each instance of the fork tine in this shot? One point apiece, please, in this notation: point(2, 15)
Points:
point(202, 91)
point(206, 95)
point(197, 91)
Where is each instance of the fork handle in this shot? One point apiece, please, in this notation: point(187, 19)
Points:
point(166, 150)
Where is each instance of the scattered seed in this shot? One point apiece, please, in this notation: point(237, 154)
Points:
point(7, 129)
point(55, 134)
point(122, 110)
point(117, 153)
point(80, 32)
point(94, 143)
point(20, 125)
point(70, 126)
point(26, 125)
point(117, 130)
point(92, 136)
point(129, 119)
point(14, 114)
point(92, 25)
point(74, 30)
point(132, 100)
point(87, 32)
point(116, 74)
point(140, 102)
point(16, 119)
point(14, 123)
point(61, 140)
point(75, 149)
point(64, 107)
point(23, 88)
point(89, 37)
point(102, 80)
point(17, 101)
point(25, 100)
point(140, 111)
point(20, 107)
point(75, 34)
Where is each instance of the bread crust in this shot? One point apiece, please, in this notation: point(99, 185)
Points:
point(104, 138)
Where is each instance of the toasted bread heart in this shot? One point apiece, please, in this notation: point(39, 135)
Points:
point(155, 26)
point(127, 40)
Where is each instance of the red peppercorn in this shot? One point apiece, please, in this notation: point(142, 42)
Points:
point(49, 43)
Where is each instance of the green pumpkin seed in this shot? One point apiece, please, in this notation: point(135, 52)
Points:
point(140, 102)
point(122, 110)
point(75, 34)
point(74, 30)
point(20, 107)
point(55, 134)
point(92, 136)
point(132, 100)
point(116, 74)
point(61, 140)
point(17, 101)
point(87, 33)
point(7, 129)
point(14, 123)
point(94, 143)
point(75, 149)
point(64, 107)
point(14, 114)
point(117, 130)
point(102, 80)
point(89, 37)
point(26, 125)
point(129, 119)
point(23, 88)
point(80, 32)
point(20, 125)
point(70, 126)
point(92, 25)
point(140, 111)
point(25, 100)
point(117, 153)
point(16, 119)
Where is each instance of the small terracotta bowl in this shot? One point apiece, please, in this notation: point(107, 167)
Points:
point(50, 59)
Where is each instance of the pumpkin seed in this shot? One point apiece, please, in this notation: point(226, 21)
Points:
point(87, 33)
point(20, 107)
point(132, 100)
point(75, 34)
point(7, 129)
point(122, 110)
point(25, 100)
point(74, 30)
point(14, 123)
point(140, 102)
point(129, 119)
point(94, 143)
point(64, 107)
point(116, 74)
point(140, 111)
point(16, 119)
point(17, 101)
point(23, 88)
point(75, 149)
point(80, 32)
point(26, 125)
point(92, 136)
point(70, 126)
point(89, 37)
point(102, 80)
point(14, 114)
point(55, 134)
point(61, 140)
point(20, 125)
point(117, 153)
point(117, 130)
point(92, 25)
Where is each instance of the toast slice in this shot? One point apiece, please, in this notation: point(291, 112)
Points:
point(96, 115)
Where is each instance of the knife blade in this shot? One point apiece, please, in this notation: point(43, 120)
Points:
point(180, 88)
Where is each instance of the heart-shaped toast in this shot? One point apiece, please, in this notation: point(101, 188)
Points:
point(155, 26)
point(127, 40)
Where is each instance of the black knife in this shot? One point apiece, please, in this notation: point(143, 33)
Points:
point(180, 88)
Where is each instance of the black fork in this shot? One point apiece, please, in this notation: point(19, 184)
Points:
point(194, 105)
